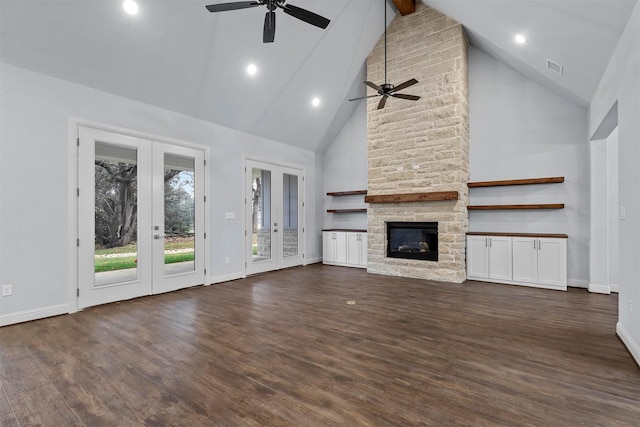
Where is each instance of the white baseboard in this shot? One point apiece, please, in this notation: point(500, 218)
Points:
point(599, 289)
point(625, 336)
point(312, 261)
point(614, 288)
point(577, 283)
point(225, 278)
point(28, 315)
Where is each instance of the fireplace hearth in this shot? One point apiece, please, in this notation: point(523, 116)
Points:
point(412, 240)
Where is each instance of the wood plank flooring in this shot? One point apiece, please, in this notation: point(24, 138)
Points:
point(285, 348)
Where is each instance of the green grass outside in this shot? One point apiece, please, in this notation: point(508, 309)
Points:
point(132, 248)
point(112, 264)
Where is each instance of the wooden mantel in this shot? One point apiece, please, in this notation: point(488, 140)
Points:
point(405, 7)
point(412, 197)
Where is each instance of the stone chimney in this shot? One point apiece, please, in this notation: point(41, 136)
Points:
point(420, 147)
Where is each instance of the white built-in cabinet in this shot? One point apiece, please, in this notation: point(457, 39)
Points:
point(344, 247)
point(489, 257)
point(541, 261)
point(334, 247)
point(519, 259)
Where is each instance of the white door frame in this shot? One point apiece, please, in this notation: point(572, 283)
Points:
point(73, 126)
point(302, 216)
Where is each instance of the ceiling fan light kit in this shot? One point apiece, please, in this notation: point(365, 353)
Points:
point(269, 30)
point(387, 89)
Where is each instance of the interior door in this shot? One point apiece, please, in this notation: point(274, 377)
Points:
point(140, 217)
point(273, 217)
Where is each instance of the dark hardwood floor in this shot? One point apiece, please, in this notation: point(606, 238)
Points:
point(285, 348)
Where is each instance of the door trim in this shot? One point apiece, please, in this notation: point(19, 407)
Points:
point(73, 133)
point(303, 216)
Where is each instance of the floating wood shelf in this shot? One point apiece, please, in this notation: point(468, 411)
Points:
point(405, 7)
point(528, 181)
point(506, 207)
point(412, 197)
point(540, 235)
point(347, 193)
point(346, 210)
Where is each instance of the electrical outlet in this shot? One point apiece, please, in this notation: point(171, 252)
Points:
point(226, 260)
point(7, 290)
point(630, 307)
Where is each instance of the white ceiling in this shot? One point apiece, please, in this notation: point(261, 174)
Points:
point(580, 35)
point(176, 55)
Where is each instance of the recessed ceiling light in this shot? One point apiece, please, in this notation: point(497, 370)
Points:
point(130, 6)
point(520, 39)
point(315, 101)
point(252, 69)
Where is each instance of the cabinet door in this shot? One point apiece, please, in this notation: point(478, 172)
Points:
point(328, 246)
point(363, 249)
point(353, 248)
point(478, 256)
point(500, 258)
point(525, 259)
point(552, 262)
point(341, 247)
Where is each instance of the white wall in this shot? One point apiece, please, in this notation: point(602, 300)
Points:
point(621, 83)
point(520, 129)
point(345, 169)
point(613, 223)
point(34, 167)
point(598, 237)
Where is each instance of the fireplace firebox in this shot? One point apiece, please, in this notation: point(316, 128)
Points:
point(412, 240)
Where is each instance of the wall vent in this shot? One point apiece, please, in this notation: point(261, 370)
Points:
point(554, 66)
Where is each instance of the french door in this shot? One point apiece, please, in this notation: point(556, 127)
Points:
point(273, 223)
point(141, 217)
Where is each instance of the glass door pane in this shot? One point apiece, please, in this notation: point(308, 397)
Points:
point(116, 209)
point(289, 215)
point(179, 214)
point(261, 234)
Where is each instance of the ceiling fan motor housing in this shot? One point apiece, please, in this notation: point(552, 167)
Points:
point(385, 88)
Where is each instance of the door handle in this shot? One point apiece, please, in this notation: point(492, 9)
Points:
point(158, 236)
point(275, 230)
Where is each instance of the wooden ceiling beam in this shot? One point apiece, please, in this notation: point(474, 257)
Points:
point(405, 7)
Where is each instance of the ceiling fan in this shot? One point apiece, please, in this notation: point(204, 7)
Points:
point(269, 31)
point(387, 89)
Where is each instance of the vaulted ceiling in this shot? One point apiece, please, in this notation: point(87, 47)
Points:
point(176, 55)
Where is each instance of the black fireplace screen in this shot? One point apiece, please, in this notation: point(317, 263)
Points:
point(412, 240)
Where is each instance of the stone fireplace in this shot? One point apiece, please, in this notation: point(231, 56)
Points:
point(420, 149)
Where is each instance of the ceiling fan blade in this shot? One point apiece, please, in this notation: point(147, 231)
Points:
point(405, 85)
point(382, 102)
point(364, 97)
point(305, 15)
point(373, 86)
point(403, 96)
point(223, 7)
point(269, 32)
